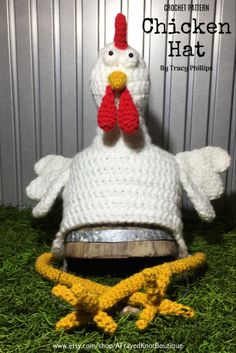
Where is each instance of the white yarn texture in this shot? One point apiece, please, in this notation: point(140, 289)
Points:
point(119, 185)
point(135, 69)
point(126, 179)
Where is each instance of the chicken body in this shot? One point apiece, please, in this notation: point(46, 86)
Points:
point(122, 178)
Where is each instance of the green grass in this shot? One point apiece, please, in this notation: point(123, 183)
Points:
point(28, 312)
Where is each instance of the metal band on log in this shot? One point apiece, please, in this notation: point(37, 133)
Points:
point(119, 242)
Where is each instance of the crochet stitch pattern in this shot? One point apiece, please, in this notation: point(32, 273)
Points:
point(120, 33)
point(128, 118)
point(107, 111)
point(92, 300)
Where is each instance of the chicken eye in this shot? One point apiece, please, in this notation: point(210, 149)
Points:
point(110, 53)
point(131, 55)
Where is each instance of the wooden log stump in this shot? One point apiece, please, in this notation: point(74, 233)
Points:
point(117, 242)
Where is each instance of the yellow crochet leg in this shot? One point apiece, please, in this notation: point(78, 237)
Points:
point(92, 299)
point(150, 286)
point(146, 316)
point(43, 266)
point(77, 296)
point(121, 290)
point(86, 300)
point(65, 293)
point(163, 278)
point(138, 298)
point(184, 265)
point(105, 322)
point(167, 307)
point(72, 320)
point(155, 284)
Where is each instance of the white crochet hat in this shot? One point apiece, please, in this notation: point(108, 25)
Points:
point(122, 177)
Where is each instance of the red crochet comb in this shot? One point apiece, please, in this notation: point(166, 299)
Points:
point(120, 32)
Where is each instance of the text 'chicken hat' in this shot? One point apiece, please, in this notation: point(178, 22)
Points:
point(122, 178)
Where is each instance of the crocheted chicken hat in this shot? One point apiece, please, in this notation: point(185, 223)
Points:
point(122, 178)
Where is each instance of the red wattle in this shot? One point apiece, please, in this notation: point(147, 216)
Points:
point(107, 111)
point(128, 116)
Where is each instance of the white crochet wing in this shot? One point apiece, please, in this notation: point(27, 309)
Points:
point(199, 176)
point(53, 173)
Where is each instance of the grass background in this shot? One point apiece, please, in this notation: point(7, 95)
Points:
point(28, 312)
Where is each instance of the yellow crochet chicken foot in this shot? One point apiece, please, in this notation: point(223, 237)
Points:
point(92, 300)
point(87, 309)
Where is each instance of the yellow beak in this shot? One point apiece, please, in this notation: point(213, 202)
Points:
point(117, 80)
